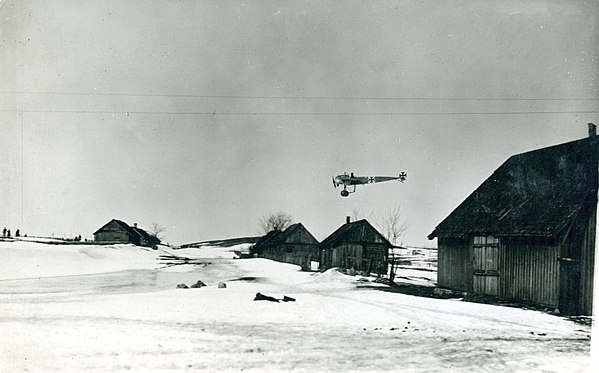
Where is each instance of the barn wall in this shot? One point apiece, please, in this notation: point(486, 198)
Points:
point(376, 258)
point(360, 256)
point(299, 254)
point(587, 262)
point(529, 271)
point(348, 255)
point(454, 264)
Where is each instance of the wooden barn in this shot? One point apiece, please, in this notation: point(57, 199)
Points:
point(117, 231)
point(294, 245)
point(358, 246)
point(528, 232)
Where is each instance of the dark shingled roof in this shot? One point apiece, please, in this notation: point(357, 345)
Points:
point(536, 194)
point(276, 237)
point(358, 231)
point(123, 225)
point(133, 232)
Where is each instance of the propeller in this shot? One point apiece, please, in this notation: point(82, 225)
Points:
point(334, 183)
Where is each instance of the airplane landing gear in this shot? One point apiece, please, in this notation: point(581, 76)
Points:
point(344, 193)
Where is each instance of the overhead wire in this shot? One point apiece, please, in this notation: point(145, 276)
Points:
point(298, 113)
point(299, 97)
point(258, 113)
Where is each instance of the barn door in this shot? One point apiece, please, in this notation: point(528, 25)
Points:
point(486, 265)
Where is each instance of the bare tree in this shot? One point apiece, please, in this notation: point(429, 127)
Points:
point(278, 220)
point(393, 227)
point(156, 231)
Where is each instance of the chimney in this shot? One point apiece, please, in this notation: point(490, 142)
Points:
point(592, 130)
point(134, 225)
point(347, 220)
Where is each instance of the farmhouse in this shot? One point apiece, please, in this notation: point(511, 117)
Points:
point(294, 245)
point(528, 232)
point(117, 231)
point(356, 245)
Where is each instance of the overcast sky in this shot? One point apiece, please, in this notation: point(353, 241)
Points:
point(204, 116)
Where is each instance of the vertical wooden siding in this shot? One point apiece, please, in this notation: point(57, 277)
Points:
point(486, 269)
point(454, 264)
point(529, 272)
point(587, 263)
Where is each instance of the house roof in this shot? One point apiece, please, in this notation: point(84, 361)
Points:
point(358, 231)
point(537, 194)
point(142, 233)
point(121, 224)
point(276, 237)
point(267, 238)
point(133, 232)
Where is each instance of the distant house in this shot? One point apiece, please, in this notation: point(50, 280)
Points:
point(117, 231)
point(528, 232)
point(356, 245)
point(294, 245)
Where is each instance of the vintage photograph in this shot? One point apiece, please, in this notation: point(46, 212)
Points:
point(298, 186)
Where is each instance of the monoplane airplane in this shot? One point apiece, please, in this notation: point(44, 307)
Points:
point(351, 180)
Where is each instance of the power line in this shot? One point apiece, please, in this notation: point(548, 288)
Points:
point(249, 97)
point(215, 113)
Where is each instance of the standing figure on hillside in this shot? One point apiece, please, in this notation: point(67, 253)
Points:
point(18, 233)
point(4, 232)
point(8, 233)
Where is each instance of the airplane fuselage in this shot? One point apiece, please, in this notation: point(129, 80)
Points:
point(351, 181)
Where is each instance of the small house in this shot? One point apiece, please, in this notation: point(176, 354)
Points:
point(528, 232)
point(356, 245)
point(295, 245)
point(117, 231)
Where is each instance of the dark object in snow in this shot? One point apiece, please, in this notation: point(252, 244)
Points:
point(198, 284)
point(222, 285)
point(182, 286)
point(383, 280)
point(260, 296)
point(173, 260)
point(288, 299)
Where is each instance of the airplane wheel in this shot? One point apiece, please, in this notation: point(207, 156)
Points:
point(344, 193)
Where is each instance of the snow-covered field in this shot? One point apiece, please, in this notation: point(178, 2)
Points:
point(116, 308)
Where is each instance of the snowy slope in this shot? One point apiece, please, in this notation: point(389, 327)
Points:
point(138, 321)
point(23, 259)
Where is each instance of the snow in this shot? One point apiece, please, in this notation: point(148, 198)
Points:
point(80, 308)
point(22, 259)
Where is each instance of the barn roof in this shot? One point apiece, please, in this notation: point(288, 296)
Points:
point(276, 236)
point(358, 231)
point(267, 238)
point(142, 233)
point(537, 193)
point(121, 224)
point(133, 232)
